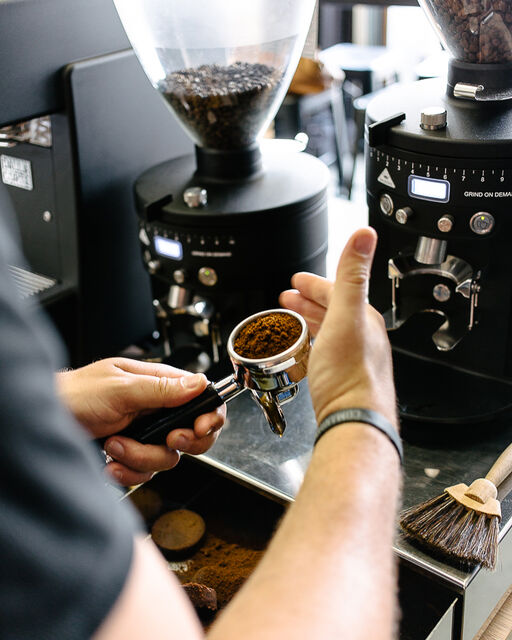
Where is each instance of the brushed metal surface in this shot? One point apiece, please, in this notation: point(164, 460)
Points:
point(247, 450)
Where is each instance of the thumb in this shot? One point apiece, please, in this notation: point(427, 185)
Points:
point(351, 286)
point(154, 392)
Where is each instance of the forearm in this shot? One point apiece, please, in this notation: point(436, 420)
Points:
point(329, 571)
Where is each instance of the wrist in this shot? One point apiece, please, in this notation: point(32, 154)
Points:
point(350, 416)
point(62, 383)
point(68, 392)
point(384, 404)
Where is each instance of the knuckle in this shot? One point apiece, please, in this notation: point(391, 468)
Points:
point(163, 385)
point(357, 275)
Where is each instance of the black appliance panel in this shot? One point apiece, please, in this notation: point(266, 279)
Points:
point(38, 38)
point(122, 127)
point(462, 174)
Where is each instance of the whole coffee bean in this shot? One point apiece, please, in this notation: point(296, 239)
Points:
point(475, 30)
point(222, 107)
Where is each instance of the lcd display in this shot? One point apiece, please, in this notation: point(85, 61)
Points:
point(429, 188)
point(169, 248)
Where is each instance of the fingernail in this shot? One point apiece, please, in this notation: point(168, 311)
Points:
point(115, 449)
point(364, 244)
point(179, 443)
point(118, 475)
point(192, 382)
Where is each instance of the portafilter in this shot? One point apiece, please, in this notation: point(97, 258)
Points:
point(272, 380)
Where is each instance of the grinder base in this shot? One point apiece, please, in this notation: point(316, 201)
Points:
point(437, 395)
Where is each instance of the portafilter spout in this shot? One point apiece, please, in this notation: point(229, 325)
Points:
point(273, 381)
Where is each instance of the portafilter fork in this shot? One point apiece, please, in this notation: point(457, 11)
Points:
point(272, 381)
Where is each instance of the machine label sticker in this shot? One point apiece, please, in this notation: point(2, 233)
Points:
point(16, 172)
point(386, 179)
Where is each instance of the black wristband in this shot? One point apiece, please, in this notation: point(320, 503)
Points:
point(368, 417)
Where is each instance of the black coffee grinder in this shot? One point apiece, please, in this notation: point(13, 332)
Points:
point(223, 230)
point(439, 181)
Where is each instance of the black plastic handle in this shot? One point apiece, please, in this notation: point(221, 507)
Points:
point(154, 427)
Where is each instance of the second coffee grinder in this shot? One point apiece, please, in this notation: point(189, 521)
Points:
point(439, 181)
point(223, 230)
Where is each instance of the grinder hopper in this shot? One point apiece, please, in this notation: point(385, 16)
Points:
point(222, 66)
point(478, 34)
point(272, 381)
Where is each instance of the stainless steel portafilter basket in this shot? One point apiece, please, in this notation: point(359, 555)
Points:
point(273, 381)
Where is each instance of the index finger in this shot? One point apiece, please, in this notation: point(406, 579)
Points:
point(313, 287)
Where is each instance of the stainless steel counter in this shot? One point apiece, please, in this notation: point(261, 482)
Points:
point(249, 451)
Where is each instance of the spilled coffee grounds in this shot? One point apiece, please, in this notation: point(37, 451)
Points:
point(223, 107)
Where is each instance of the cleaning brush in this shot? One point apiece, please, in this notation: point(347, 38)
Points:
point(463, 522)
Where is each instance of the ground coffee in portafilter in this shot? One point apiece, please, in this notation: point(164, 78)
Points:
point(476, 31)
point(267, 336)
point(223, 106)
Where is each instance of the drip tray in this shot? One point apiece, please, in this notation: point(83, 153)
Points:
point(239, 525)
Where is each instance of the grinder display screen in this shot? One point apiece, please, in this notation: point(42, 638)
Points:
point(429, 189)
point(169, 248)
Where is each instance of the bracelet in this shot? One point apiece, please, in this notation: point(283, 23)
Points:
point(368, 417)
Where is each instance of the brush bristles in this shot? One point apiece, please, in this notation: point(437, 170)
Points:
point(454, 530)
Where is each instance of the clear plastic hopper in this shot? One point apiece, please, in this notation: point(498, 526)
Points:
point(473, 30)
point(223, 66)
point(476, 32)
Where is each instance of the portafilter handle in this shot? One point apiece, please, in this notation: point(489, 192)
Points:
point(154, 427)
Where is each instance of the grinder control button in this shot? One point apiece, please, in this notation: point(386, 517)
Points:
point(387, 206)
point(482, 223)
point(441, 292)
point(433, 118)
point(207, 276)
point(179, 276)
point(195, 197)
point(445, 223)
point(143, 237)
point(402, 215)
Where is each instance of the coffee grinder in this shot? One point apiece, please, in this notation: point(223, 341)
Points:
point(223, 230)
point(439, 187)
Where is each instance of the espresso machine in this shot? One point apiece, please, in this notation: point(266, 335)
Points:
point(79, 121)
point(439, 188)
point(223, 229)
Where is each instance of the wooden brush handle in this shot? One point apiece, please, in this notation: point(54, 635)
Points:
point(482, 492)
point(501, 468)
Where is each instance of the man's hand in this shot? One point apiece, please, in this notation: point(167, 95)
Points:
point(107, 395)
point(350, 363)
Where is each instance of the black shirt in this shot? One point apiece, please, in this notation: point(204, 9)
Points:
point(65, 538)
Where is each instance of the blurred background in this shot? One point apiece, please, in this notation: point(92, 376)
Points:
point(360, 49)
